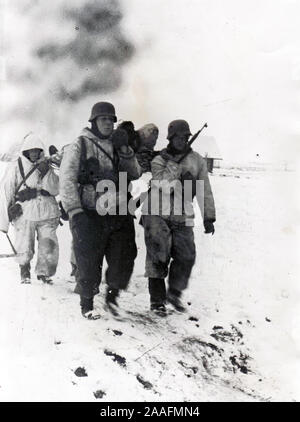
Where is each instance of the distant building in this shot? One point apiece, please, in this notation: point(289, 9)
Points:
point(208, 148)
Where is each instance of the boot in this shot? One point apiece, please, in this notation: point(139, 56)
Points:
point(25, 273)
point(173, 297)
point(158, 309)
point(157, 290)
point(87, 308)
point(45, 279)
point(77, 289)
point(111, 300)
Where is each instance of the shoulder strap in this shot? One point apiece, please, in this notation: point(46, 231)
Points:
point(83, 150)
point(21, 168)
point(103, 150)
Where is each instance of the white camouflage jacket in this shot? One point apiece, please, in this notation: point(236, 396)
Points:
point(168, 171)
point(39, 208)
point(76, 197)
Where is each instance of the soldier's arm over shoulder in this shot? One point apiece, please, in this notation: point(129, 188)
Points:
point(68, 177)
point(165, 170)
point(129, 163)
point(209, 203)
point(51, 182)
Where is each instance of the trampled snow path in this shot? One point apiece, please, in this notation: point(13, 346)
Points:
point(238, 341)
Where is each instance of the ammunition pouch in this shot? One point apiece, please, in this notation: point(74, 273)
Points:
point(26, 194)
point(45, 192)
point(89, 172)
point(30, 193)
point(15, 210)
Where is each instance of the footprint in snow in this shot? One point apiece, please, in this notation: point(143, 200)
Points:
point(80, 372)
point(99, 394)
point(146, 384)
point(116, 358)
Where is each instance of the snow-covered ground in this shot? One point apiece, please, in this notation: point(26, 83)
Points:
point(239, 340)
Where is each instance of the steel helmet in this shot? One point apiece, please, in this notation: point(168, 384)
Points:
point(178, 127)
point(103, 109)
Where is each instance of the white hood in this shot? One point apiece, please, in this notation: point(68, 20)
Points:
point(32, 141)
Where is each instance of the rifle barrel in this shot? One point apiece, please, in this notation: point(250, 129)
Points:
point(193, 138)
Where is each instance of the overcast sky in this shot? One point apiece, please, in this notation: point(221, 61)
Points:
point(232, 63)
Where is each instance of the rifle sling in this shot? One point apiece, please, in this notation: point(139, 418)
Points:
point(21, 168)
point(104, 152)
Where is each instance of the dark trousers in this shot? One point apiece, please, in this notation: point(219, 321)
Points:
point(109, 236)
point(157, 290)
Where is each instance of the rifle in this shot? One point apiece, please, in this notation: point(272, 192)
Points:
point(7, 255)
point(193, 138)
point(143, 195)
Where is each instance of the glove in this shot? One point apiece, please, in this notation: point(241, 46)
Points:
point(14, 211)
point(119, 139)
point(128, 126)
point(133, 136)
point(43, 167)
point(52, 150)
point(209, 227)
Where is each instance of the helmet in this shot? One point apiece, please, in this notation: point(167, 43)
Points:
point(178, 127)
point(103, 109)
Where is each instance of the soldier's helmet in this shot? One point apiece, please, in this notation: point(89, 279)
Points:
point(103, 109)
point(178, 127)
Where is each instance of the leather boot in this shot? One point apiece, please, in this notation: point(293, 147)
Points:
point(157, 290)
point(25, 273)
point(173, 297)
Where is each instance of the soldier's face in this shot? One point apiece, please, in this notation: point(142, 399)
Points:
point(34, 154)
point(105, 125)
point(179, 142)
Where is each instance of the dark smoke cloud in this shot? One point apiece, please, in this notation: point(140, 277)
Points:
point(96, 16)
point(60, 53)
point(89, 50)
point(95, 54)
point(61, 57)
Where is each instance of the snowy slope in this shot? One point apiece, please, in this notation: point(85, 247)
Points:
point(239, 340)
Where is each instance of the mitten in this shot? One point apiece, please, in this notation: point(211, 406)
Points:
point(119, 138)
point(43, 167)
point(209, 227)
point(14, 211)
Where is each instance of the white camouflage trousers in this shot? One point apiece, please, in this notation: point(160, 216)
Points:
point(48, 249)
